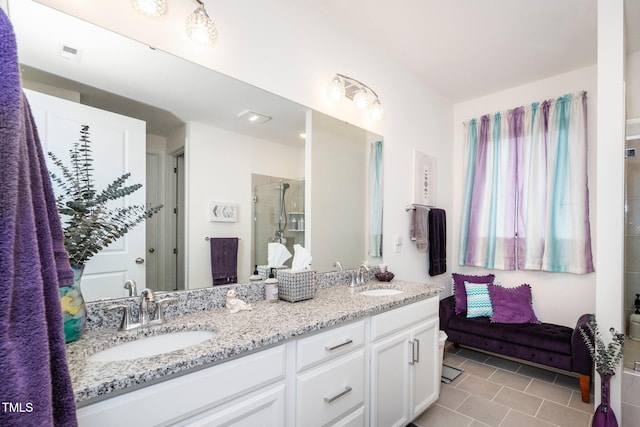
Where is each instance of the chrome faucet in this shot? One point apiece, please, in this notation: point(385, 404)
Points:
point(339, 265)
point(131, 286)
point(146, 296)
point(146, 317)
point(362, 276)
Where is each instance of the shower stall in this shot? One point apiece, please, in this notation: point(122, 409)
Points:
point(631, 356)
point(278, 215)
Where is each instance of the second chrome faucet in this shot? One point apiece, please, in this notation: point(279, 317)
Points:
point(146, 316)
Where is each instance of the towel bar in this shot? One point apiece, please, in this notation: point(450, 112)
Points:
point(412, 207)
point(207, 238)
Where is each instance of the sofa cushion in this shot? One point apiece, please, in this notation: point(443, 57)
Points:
point(545, 336)
point(512, 305)
point(478, 300)
point(459, 291)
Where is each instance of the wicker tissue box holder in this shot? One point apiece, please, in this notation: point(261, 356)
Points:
point(296, 285)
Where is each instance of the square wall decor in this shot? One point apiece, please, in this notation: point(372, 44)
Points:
point(223, 212)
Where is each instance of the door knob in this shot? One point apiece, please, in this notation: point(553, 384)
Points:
point(139, 260)
point(152, 250)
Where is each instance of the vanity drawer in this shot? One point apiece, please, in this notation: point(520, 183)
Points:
point(331, 390)
point(329, 344)
point(395, 320)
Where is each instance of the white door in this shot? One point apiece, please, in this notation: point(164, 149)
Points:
point(118, 144)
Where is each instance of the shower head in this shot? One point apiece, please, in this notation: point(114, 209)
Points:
point(285, 185)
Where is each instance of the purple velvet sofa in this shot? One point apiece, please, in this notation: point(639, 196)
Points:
point(546, 344)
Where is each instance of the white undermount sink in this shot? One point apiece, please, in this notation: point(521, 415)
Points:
point(152, 346)
point(382, 292)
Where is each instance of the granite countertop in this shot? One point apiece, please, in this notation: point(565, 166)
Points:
point(235, 335)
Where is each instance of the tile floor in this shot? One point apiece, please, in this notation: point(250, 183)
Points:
point(502, 393)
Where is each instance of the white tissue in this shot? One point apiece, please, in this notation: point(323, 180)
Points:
point(301, 258)
point(277, 254)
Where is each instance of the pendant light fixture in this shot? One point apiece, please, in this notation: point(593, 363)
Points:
point(362, 95)
point(199, 26)
point(152, 8)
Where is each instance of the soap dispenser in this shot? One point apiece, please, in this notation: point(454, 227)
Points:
point(255, 277)
point(271, 287)
point(634, 321)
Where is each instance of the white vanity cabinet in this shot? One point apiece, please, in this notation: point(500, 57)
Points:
point(404, 363)
point(234, 393)
point(331, 372)
point(381, 370)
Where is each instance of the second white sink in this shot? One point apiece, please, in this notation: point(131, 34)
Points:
point(383, 292)
point(151, 346)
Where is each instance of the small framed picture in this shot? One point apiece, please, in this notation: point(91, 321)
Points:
point(424, 179)
point(223, 212)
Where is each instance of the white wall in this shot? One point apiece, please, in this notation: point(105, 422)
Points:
point(551, 291)
point(219, 165)
point(611, 114)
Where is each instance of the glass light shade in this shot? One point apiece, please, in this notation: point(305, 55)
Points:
point(335, 89)
point(152, 8)
point(201, 28)
point(362, 99)
point(376, 112)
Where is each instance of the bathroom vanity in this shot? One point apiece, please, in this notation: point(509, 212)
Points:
point(342, 359)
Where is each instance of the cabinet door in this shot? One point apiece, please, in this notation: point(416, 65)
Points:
point(263, 409)
point(390, 386)
point(424, 373)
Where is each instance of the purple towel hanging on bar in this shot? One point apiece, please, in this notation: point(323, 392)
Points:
point(224, 260)
point(437, 242)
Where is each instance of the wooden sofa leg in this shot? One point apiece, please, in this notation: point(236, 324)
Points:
point(585, 385)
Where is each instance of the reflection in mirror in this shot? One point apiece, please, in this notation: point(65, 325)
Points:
point(278, 215)
point(338, 163)
point(198, 150)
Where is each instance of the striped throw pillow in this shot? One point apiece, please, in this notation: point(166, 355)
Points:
point(478, 300)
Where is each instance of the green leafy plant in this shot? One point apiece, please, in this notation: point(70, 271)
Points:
point(608, 356)
point(89, 223)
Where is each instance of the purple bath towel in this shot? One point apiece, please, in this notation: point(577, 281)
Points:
point(437, 242)
point(224, 260)
point(35, 386)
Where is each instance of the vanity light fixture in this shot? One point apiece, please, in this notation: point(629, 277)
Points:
point(152, 8)
point(362, 95)
point(199, 26)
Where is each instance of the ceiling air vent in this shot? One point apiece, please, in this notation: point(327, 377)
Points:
point(70, 53)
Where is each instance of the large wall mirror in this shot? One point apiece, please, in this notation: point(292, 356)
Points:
point(203, 150)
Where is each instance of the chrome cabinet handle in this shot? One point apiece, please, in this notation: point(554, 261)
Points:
point(346, 390)
point(139, 260)
point(417, 359)
point(335, 347)
point(413, 352)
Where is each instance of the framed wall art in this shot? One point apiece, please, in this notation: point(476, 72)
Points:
point(424, 179)
point(223, 212)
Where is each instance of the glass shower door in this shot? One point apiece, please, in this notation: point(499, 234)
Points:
point(278, 214)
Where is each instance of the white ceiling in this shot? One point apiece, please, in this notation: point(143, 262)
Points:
point(461, 48)
point(469, 48)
